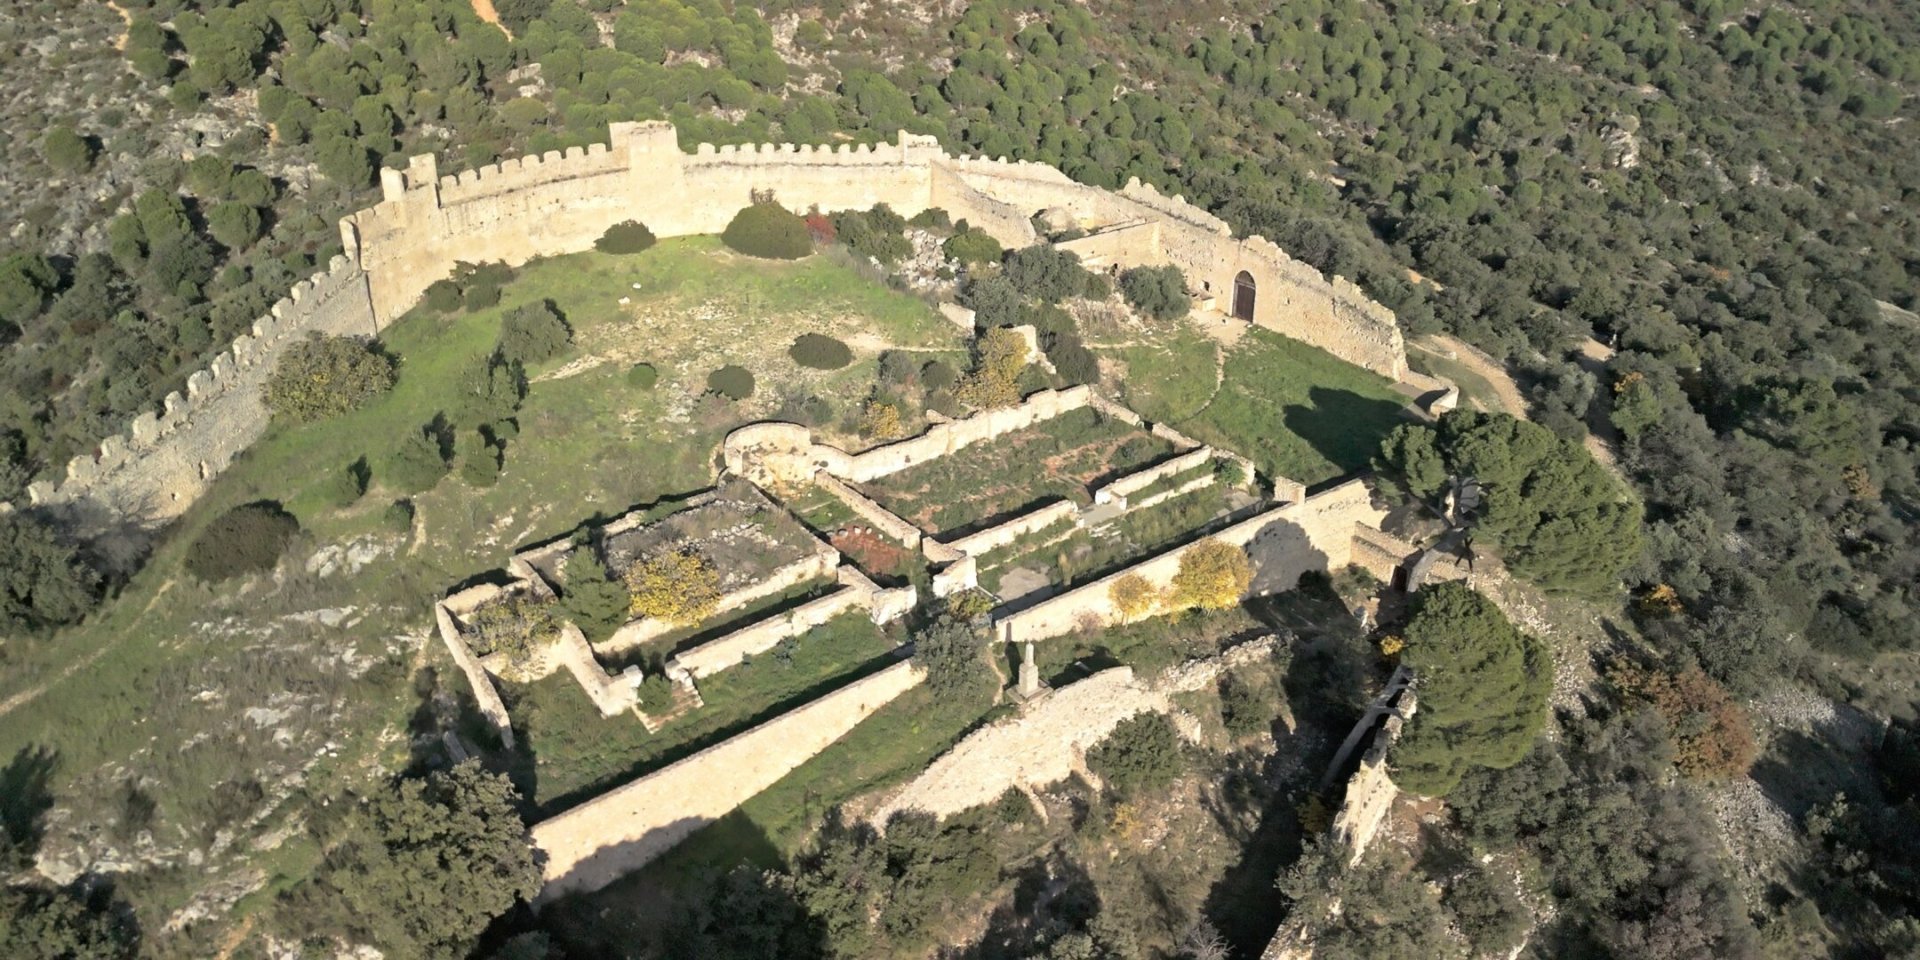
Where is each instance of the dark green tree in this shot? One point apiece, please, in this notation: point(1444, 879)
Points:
point(43, 582)
point(1482, 688)
point(1158, 292)
point(45, 923)
point(534, 333)
point(1142, 754)
point(422, 866)
point(247, 539)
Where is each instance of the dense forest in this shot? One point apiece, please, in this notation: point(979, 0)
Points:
point(1726, 194)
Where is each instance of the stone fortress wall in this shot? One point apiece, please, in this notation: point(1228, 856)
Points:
point(561, 202)
point(160, 465)
point(593, 844)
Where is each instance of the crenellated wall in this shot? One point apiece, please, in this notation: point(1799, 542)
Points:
point(561, 202)
point(163, 461)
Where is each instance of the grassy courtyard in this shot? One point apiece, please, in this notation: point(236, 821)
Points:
point(570, 753)
point(987, 483)
point(223, 705)
point(1297, 411)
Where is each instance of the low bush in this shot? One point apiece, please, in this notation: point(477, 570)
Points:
point(480, 295)
point(1158, 292)
point(443, 296)
point(480, 460)
point(591, 598)
point(1142, 754)
point(322, 377)
point(628, 236)
point(1046, 273)
point(878, 233)
point(819, 352)
point(732, 382)
point(897, 367)
point(938, 375)
point(642, 376)
point(398, 517)
point(533, 333)
point(768, 230)
point(247, 539)
point(419, 462)
point(1073, 361)
point(973, 248)
point(932, 218)
point(344, 487)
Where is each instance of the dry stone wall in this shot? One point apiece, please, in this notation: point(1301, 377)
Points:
point(1283, 543)
point(591, 845)
point(164, 460)
point(815, 566)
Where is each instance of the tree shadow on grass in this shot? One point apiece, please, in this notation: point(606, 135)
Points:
point(25, 799)
point(1342, 426)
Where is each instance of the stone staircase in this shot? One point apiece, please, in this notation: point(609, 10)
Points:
point(686, 699)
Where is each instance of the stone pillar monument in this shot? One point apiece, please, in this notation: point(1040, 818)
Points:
point(1029, 684)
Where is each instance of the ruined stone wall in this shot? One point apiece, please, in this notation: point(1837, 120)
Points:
point(727, 651)
point(1370, 791)
point(1047, 741)
point(1282, 543)
point(1120, 489)
point(945, 438)
point(484, 693)
point(975, 544)
point(591, 845)
point(872, 512)
point(817, 565)
point(162, 463)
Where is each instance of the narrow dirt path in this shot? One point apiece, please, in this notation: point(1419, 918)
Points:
point(27, 696)
point(126, 24)
point(1508, 393)
point(484, 10)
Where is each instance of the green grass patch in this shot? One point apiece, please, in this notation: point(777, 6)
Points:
point(569, 753)
point(1087, 555)
point(1170, 380)
point(1297, 411)
point(987, 483)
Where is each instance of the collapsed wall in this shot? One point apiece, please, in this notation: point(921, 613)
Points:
point(162, 463)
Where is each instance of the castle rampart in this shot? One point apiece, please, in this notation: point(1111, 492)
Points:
point(160, 465)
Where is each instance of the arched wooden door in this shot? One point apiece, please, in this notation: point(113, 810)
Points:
point(1243, 296)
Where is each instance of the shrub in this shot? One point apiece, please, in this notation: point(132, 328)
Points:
point(534, 333)
point(995, 379)
point(490, 389)
point(656, 693)
point(443, 296)
point(1246, 707)
point(591, 598)
point(932, 218)
point(515, 627)
point(877, 233)
point(344, 487)
point(732, 382)
point(768, 230)
point(1046, 273)
point(1141, 754)
point(235, 225)
point(480, 460)
point(812, 410)
point(1073, 361)
point(322, 377)
point(1712, 736)
point(628, 236)
point(994, 301)
point(897, 367)
point(680, 587)
point(881, 421)
point(481, 294)
point(420, 461)
point(247, 539)
point(973, 248)
point(67, 151)
point(398, 517)
point(43, 582)
point(938, 375)
point(1098, 287)
point(1134, 596)
point(953, 651)
point(819, 352)
point(642, 376)
point(1158, 292)
point(1213, 575)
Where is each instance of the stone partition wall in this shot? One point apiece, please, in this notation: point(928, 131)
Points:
point(1283, 543)
point(817, 565)
point(864, 507)
point(975, 544)
point(856, 593)
point(1120, 489)
point(484, 694)
point(593, 844)
point(162, 463)
point(945, 438)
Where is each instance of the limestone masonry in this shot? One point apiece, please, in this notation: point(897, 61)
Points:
point(561, 202)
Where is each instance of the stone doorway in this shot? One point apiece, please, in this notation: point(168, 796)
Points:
point(1243, 296)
